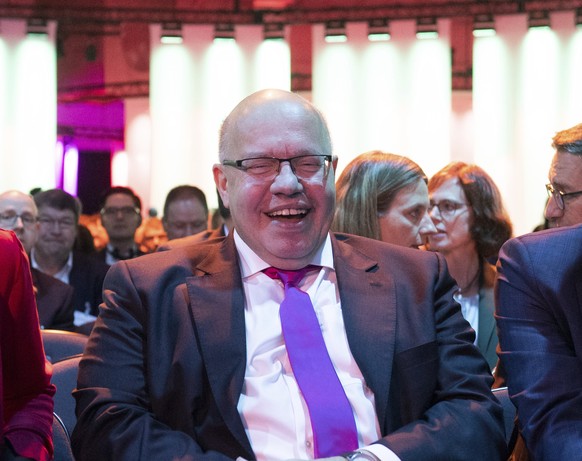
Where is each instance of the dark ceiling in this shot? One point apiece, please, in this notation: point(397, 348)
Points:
point(80, 14)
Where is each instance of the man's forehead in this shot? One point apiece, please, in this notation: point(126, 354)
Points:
point(566, 168)
point(49, 210)
point(119, 198)
point(17, 203)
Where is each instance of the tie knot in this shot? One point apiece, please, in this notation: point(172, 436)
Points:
point(289, 277)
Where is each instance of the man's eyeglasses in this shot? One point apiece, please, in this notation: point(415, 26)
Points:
point(65, 223)
point(447, 208)
point(267, 168)
point(125, 211)
point(558, 195)
point(9, 219)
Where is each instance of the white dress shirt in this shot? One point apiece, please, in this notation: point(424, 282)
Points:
point(271, 406)
point(62, 274)
point(470, 311)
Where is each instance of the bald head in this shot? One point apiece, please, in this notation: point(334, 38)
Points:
point(283, 217)
point(265, 104)
point(18, 213)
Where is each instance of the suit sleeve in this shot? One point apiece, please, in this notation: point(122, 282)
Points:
point(460, 418)
point(115, 412)
point(544, 374)
point(27, 391)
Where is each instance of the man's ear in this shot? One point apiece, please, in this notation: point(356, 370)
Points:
point(334, 163)
point(221, 181)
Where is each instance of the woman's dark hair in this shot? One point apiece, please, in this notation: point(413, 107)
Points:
point(491, 225)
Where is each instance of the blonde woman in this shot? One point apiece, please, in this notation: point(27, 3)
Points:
point(385, 197)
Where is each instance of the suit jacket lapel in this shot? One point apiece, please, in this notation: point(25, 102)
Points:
point(217, 303)
point(368, 298)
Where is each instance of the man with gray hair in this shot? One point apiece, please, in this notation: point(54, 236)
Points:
point(54, 298)
point(564, 207)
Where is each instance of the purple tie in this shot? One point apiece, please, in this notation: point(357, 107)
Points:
point(332, 419)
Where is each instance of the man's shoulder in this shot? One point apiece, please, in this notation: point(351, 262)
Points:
point(549, 255)
point(191, 240)
point(381, 251)
point(368, 244)
point(188, 254)
point(557, 237)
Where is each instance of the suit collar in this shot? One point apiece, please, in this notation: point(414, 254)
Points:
point(217, 304)
point(368, 297)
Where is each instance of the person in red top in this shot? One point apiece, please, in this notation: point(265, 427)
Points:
point(26, 407)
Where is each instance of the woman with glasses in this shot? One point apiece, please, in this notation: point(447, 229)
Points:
point(471, 225)
point(385, 197)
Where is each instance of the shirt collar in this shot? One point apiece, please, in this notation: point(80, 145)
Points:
point(251, 263)
point(62, 274)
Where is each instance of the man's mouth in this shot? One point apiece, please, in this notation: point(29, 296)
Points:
point(293, 213)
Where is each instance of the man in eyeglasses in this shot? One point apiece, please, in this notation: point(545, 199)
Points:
point(120, 216)
point(54, 298)
point(564, 207)
point(53, 254)
point(539, 314)
point(198, 352)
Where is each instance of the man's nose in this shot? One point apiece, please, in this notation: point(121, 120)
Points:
point(18, 224)
point(286, 181)
point(552, 210)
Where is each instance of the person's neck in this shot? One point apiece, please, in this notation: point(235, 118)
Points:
point(465, 268)
point(50, 264)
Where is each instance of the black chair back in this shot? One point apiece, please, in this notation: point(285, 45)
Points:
point(61, 441)
point(65, 379)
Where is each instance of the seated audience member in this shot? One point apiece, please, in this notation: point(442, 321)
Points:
point(120, 216)
point(54, 298)
point(26, 408)
point(384, 369)
point(564, 207)
point(222, 230)
point(53, 254)
point(150, 235)
point(539, 317)
point(383, 196)
point(471, 225)
point(185, 212)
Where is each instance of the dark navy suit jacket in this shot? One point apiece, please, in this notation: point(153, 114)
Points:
point(165, 364)
point(539, 316)
point(86, 277)
point(54, 300)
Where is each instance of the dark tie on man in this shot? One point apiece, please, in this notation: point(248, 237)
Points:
point(332, 418)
